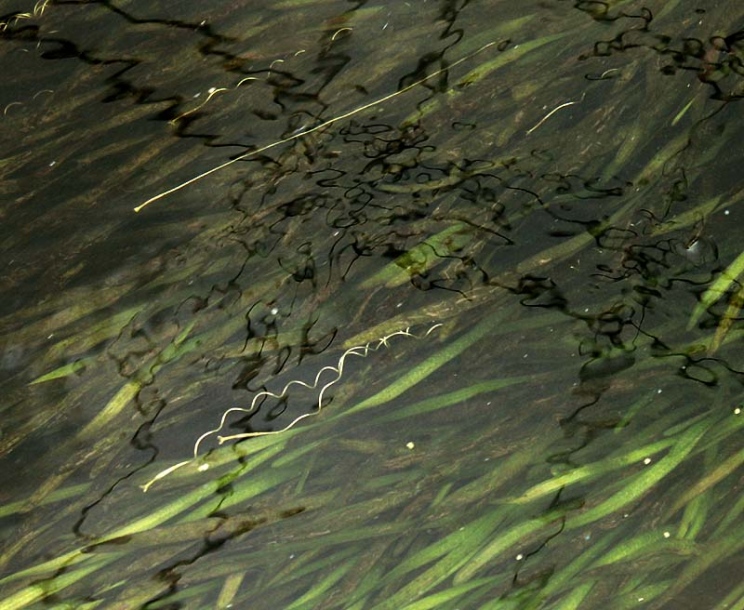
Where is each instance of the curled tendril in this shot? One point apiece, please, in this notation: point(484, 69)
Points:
point(358, 350)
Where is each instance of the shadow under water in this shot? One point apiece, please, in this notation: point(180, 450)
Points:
point(424, 305)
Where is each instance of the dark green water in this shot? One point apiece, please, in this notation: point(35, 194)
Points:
point(555, 183)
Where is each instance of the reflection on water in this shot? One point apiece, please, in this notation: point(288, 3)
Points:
point(545, 193)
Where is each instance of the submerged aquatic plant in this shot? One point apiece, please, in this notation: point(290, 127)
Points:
point(570, 437)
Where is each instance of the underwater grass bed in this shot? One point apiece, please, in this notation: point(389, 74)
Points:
point(507, 283)
point(463, 525)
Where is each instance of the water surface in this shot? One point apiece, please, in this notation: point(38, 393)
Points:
point(542, 194)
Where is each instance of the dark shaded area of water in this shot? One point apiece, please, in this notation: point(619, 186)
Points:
point(552, 187)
